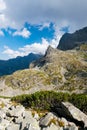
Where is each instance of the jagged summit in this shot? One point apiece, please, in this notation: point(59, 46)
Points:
point(70, 41)
point(50, 50)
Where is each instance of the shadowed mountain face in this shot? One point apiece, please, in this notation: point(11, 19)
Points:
point(19, 63)
point(70, 41)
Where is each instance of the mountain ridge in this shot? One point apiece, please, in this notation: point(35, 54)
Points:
point(18, 63)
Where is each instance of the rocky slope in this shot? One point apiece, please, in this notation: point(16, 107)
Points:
point(67, 70)
point(19, 63)
point(57, 70)
point(15, 117)
point(70, 41)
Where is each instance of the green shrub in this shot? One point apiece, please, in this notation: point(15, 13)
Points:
point(45, 100)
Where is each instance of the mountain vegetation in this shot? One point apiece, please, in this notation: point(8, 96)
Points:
point(49, 100)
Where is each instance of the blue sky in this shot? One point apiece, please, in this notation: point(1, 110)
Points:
point(31, 26)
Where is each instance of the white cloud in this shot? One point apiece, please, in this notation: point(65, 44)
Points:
point(40, 12)
point(11, 53)
point(2, 5)
point(37, 48)
point(44, 25)
point(5, 22)
point(24, 33)
point(1, 33)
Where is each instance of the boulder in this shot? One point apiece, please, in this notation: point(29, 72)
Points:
point(44, 121)
point(30, 122)
point(74, 113)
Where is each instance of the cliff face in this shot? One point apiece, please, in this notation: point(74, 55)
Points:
point(70, 41)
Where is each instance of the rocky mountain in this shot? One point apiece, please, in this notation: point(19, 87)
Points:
point(70, 41)
point(19, 63)
point(57, 70)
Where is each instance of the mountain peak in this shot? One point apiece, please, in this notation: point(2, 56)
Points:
point(70, 41)
point(49, 50)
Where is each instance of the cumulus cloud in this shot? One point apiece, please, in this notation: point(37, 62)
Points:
point(39, 12)
point(37, 48)
point(24, 33)
point(11, 53)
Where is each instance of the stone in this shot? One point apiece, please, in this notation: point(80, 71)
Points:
point(4, 123)
point(16, 111)
point(34, 124)
point(53, 127)
point(44, 121)
point(2, 113)
point(64, 121)
point(18, 120)
point(13, 127)
point(74, 113)
point(36, 116)
point(71, 126)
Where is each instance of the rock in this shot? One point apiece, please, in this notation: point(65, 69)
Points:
point(71, 126)
point(64, 121)
point(2, 113)
point(36, 116)
point(13, 127)
point(16, 111)
point(4, 123)
point(44, 122)
point(34, 125)
point(74, 113)
point(53, 127)
point(18, 120)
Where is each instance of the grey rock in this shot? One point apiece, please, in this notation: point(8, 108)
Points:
point(30, 122)
point(16, 111)
point(53, 127)
point(74, 112)
point(45, 120)
point(4, 123)
point(64, 121)
point(13, 127)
